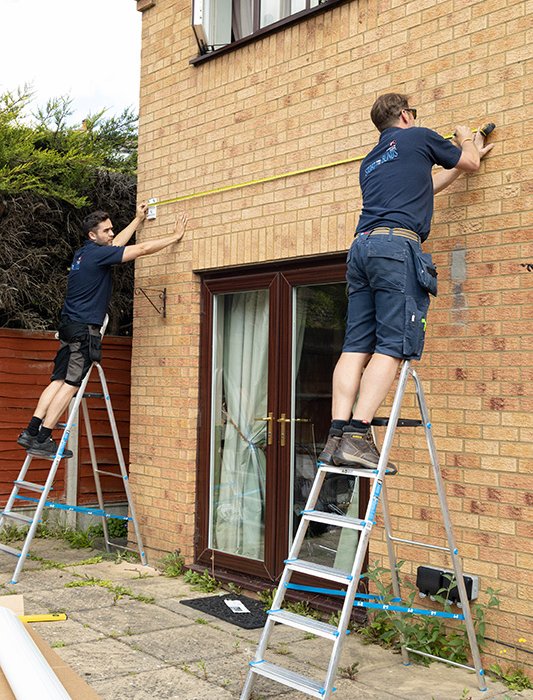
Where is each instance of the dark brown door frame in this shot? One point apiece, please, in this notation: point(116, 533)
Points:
point(279, 280)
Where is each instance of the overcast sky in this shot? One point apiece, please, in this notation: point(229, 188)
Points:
point(86, 49)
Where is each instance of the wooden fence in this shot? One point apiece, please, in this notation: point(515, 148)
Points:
point(26, 361)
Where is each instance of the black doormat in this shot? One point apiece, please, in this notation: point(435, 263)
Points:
point(215, 606)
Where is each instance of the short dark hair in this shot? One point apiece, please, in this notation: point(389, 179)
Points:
point(91, 221)
point(387, 108)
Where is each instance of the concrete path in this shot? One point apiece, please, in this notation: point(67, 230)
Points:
point(128, 648)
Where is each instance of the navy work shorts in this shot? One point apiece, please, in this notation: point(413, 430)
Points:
point(79, 347)
point(387, 306)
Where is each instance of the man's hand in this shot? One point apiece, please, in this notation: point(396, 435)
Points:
point(479, 143)
point(141, 211)
point(181, 224)
point(462, 133)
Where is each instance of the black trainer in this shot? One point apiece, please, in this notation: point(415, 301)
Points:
point(47, 449)
point(25, 439)
point(326, 456)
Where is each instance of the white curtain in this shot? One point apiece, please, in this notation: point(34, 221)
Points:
point(242, 18)
point(239, 502)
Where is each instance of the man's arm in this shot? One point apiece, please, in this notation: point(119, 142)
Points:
point(124, 236)
point(132, 252)
point(467, 161)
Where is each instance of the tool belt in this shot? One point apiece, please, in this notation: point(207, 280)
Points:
point(426, 271)
point(71, 332)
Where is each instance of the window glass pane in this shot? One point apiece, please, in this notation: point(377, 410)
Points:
point(297, 6)
point(238, 435)
point(318, 332)
point(274, 10)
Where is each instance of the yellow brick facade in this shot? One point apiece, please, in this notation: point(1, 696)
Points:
point(298, 98)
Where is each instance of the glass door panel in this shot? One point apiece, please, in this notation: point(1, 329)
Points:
point(241, 429)
point(318, 313)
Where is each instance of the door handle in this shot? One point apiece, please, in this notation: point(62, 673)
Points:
point(283, 420)
point(269, 420)
point(283, 427)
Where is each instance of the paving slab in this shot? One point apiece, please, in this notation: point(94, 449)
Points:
point(163, 684)
point(106, 658)
point(130, 618)
point(68, 600)
point(182, 645)
point(116, 570)
point(65, 633)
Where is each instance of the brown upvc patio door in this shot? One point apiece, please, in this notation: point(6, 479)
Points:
point(270, 343)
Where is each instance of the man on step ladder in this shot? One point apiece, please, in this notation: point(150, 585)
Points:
point(389, 277)
point(86, 303)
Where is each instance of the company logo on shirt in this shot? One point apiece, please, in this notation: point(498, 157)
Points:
point(390, 154)
point(76, 263)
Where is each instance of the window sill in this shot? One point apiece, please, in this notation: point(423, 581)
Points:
point(266, 31)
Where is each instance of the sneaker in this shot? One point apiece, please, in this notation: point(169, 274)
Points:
point(47, 449)
point(326, 456)
point(359, 449)
point(25, 439)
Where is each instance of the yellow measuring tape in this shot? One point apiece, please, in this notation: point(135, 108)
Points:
point(227, 188)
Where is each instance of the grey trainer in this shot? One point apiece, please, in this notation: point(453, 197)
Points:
point(47, 449)
point(359, 449)
point(25, 439)
point(326, 456)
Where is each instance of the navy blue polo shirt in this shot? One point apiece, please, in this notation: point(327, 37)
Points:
point(396, 182)
point(89, 282)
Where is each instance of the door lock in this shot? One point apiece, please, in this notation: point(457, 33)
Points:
point(269, 420)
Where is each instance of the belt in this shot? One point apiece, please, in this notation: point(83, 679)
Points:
point(384, 231)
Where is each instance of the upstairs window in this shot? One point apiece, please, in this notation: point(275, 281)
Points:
point(218, 23)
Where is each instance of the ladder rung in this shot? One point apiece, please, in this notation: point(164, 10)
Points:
point(30, 486)
point(17, 516)
point(402, 422)
point(349, 471)
point(318, 516)
point(325, 572)
point(307, 624)
point(286, 677)
point(92, 395)
point(10, 550)
point(101, 471)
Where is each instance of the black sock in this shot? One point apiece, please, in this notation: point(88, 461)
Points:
point(44, 434)
point(336, 427)
point(34, 425)
point(358, 426)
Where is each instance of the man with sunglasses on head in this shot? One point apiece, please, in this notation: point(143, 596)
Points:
point(389, 278)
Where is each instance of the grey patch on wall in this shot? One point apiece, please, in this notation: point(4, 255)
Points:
point(458, 276)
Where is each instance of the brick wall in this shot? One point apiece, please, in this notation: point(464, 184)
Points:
point(301, 97)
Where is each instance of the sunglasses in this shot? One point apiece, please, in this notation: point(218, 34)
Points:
point(412, 110)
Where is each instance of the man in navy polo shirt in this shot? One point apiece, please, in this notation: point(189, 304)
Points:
point(89, 287)
point(388, 275)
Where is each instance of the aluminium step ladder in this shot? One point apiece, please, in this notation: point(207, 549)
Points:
point(42, 502)
point(350, 579)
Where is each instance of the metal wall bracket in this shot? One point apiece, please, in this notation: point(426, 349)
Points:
point(160, 307)
point(151, 214)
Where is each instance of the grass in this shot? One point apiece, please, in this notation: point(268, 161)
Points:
point(117, 590)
